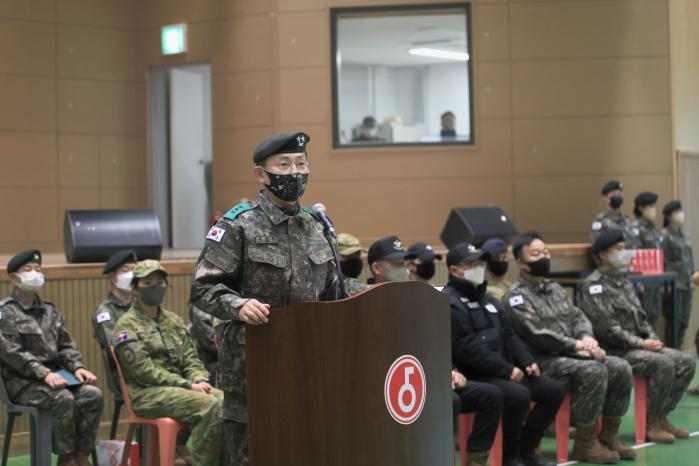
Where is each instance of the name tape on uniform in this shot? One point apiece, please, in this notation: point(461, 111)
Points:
point(596, 289)
point(103, 317)
point(216, 234)
point(516, 300)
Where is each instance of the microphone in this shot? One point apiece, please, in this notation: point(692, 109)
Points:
point(319, 210)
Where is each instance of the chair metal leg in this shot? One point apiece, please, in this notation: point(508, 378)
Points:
point(115, 419)
point(94, 457)
point(42, 435)
point(8, 437)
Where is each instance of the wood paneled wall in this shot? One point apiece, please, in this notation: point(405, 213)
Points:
point(72, 121)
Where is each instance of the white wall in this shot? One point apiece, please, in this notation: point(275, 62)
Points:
point(447, 90)
point(684, 56)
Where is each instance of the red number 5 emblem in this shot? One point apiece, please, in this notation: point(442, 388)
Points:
point(405, 389)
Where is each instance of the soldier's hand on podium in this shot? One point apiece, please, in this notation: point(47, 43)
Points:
point(458, 380)
point(254, 312)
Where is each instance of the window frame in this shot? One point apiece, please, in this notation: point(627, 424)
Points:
point(336, 13)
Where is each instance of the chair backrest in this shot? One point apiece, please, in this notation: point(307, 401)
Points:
point(122, 383)
point(110, 372)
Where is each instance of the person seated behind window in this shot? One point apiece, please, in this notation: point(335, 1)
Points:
point(161, 368)
point(368, 131)
point(34, 346)
point(448, 125)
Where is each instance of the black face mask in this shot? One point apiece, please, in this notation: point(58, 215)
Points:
point(351, 268)
point(540, 268)
point(616, 201)
point(498, 268)
point(425, 270)
point(153, 295)
point(289, 187)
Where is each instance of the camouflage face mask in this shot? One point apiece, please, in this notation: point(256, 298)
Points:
point(289, 187)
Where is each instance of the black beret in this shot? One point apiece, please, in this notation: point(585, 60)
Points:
point(24, 257)
point(672, 206)
point(125, 256)
point(645, 198)
point(607, 239)
point(463, 252)
point(282, 143)
point(611, 186)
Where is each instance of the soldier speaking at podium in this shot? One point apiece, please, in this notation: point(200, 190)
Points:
point(261, 255)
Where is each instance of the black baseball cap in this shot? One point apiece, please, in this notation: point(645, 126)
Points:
point(424, 252)
point(388, 248)
point(464, 252)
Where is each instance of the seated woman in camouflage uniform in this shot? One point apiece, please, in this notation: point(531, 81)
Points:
point(163, 373)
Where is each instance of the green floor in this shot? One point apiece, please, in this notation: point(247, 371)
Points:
point(681, 453)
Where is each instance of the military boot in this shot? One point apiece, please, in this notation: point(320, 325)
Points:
point(678, 432)
point(588, 449)
point(477, 458)
point(608, 437)
point(655, 432)
point(693, 390)
point(81, 458)
point(67, 460)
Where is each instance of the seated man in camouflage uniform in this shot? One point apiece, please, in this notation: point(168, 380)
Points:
point(161, 368)
point(561, 339)
point(34, 346)
point(609, 300)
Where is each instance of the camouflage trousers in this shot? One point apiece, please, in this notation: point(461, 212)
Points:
point(597, 388)
point(235, 449)
point(669, 373)
point(75, 413)
point(652, 301)
point(198, 410)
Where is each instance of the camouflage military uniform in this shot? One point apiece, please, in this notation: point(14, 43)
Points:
point(275, 256)
point(33, 343)
point(649, 238)
point(105, 318)
point(615, 219)
point(203, 333)
point(498, 290)
point(160, 365)
point(548, 321)
point(610, 301)
point(679, 259)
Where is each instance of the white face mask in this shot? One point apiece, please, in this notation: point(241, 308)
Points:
point(31, 281)
point(650, 213)
point(123, 281)
point(476, 275)
point(621, 260)
point(677, 219)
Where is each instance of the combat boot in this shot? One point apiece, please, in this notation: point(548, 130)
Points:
point(655, 431)
point(80, 458)
point(693, 390)
point(678, 432)
point(67, 460)
point(477, 458)
point(587, 448)
point(608, 437)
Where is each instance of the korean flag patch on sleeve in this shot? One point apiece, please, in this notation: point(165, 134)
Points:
point(516, 300)
point(216, 234)
point(103, 317)
point(596, 289)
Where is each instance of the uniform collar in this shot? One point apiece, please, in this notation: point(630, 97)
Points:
point(468, 289)
point(538, 288)
point(608, 275)
point(37, 303)
point(275, 214)
point(111, 299)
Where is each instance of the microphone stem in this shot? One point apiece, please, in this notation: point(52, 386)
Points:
point(340, 291)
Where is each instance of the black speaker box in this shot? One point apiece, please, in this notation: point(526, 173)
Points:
point(477, 224)
point(94, 235)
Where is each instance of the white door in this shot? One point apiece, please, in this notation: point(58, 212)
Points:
point(190, 154)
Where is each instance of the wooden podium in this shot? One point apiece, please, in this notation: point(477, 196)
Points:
point(318, 385)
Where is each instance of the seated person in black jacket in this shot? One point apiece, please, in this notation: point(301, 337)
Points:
point(486, 349)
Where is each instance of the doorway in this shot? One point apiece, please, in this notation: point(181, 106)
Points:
point(181, 152)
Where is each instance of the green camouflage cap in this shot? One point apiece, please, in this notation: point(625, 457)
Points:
point(147, 267)
point(348, 244)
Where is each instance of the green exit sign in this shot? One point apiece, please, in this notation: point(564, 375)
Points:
point(174, 39)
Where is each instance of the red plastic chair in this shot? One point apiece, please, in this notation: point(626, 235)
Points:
point(640, 394)
point(165, 442)
point(465, 428)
